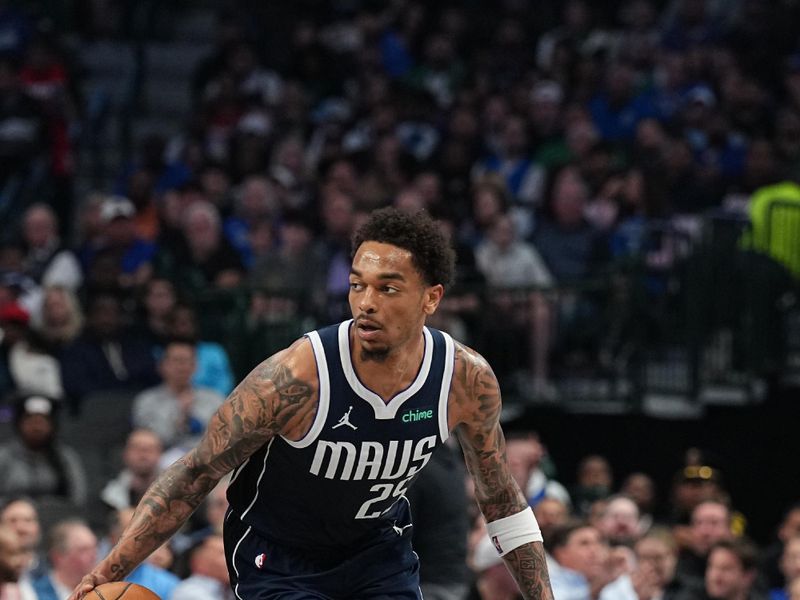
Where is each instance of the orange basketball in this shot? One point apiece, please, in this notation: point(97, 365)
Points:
point(121, 590)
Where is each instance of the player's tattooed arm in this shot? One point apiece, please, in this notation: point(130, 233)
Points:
point(478, 405)
point(277, 397)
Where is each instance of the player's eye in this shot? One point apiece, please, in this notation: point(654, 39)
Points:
point(355, 286)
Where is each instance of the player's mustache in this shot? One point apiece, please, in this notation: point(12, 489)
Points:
point(364, 320)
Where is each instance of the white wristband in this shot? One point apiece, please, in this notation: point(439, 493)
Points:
point(511, 532)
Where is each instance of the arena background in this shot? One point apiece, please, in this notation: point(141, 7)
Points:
point(700, 358)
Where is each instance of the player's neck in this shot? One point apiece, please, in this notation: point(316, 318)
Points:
point(392, 373)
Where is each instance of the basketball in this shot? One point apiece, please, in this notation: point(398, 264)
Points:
point(121, 590)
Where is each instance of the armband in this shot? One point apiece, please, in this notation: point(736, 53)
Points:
point(513, 531)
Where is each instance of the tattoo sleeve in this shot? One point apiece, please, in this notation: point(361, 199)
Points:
point(271, 400)
point(498, 495)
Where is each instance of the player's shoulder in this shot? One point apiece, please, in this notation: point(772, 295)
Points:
point(295, 362)
point(474, 392)
point(471, 373)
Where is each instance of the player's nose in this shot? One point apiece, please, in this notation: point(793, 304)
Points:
point(367, 302)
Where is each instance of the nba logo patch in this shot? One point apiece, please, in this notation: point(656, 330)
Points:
point(497, 545)
point(260, 560)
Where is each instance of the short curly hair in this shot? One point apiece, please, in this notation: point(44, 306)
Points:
point(430, 251)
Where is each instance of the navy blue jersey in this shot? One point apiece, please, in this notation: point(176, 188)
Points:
point(330, 492)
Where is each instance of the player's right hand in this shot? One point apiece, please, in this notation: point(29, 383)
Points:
point(87, 584)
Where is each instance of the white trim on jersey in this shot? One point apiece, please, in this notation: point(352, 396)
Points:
point(238, 471)
point(233, 562)
point(447, 378)
point(323, 404)
point(258, 483)
point(382, 409)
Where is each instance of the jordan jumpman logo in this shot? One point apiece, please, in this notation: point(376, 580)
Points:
point(345, 420)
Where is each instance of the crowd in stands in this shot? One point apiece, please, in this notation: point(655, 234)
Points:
point(559, 145)
point(606, 538)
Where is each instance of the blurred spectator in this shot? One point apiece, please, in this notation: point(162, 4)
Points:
point(158, 580)
point(209, 573)
point(575, 33)
point(794, 589)
point(488, 202)
point(35, 463)
point(459, 311)
point(578, 565)
point(13, 328)
point(141, 464)
point(61, 320)
point(686, 191)
point(25, 355)
point(23, 126)
point(690, 23)
point(654, 575)
point(789, 527)
point(177, 411)
point(511, 267)
point(594, 482)
point(338, 216)
point(151, 165)
point(525, 455)
point(120, 256)
point(72, 551)
point(19, 513)
point(618, 108)
point(790, 568)
point(215, 184)
point(141, 193)
point(440, 72)
point(288, 169)
point(157, 304)
point(573, 251)
point(731, 571)
point(255, 201)
point(568, 244)
point(213, 367)
point(508, 262)
point(46, 78)
point(14, 286)
point(438, 501)
point(12, 558)
point(387, 174)
point(47, 261)
point(203, 258)
point(691, 486)
point(546, 118)
point(494, 582)
point(787, 142)
point(710, 523)
point(640, 488)
point(105, 356)
point(551, 513)
point(295, 254)
point(619, 524)
point(523, 178)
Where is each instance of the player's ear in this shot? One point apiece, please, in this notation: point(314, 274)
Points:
point(433, 295)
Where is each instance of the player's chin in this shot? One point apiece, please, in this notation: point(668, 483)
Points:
point(373, 346)
point(373, 350)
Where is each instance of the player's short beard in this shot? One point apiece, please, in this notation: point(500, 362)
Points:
point(378, 356)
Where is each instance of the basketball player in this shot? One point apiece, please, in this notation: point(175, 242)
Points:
point(324, 437)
